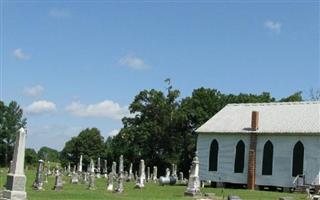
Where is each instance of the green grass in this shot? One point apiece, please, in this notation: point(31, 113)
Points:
point(151, 191)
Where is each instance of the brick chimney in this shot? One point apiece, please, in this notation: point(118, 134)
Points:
point(251, 181)
point(255, 120)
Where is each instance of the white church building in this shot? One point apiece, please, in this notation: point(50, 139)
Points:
point(261, 144)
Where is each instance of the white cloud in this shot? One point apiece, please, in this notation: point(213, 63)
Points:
point(273, 26)
point(19, 54)
point(33, 91)
point(58, 13)
point(40, 107)
point(51, 135)
point(106, 108)
point(133, 62)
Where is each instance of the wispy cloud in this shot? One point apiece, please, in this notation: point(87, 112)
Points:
point(20, 55)
point(273, 26)
point(40, 107)
point(113, 132)
point(33, 91)
point(106, 108)
point(59, 13)
point(133, 62)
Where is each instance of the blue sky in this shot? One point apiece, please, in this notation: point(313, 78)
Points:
point(73, 65)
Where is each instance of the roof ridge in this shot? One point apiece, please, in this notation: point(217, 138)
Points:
point(275, 103)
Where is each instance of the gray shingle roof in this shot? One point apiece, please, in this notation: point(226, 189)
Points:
point(290, 117)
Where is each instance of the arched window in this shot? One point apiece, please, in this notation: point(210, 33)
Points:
point(297, 160)
point(213, 157)
point(267, 161)
point(239, 159)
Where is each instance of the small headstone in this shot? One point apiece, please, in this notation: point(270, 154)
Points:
point(92, 179)
point(110, 181)
point(130, 175)
point(167, 172)
point(233, 197)
point(58, 184)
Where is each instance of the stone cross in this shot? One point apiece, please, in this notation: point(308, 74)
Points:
point(193, 188)
point(155, 173)
point(119, 188)
point(58, 184)
point(37, 184)
point(142, 176)
point(16, 179)
point(92, 180)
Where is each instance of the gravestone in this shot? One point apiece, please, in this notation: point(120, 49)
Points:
point(58, 183)
point(74, 176)
point(142, 176)
point(148, 174)
point(119, 188)
point(49, 169)
point(174, 171)
point(233, 197)
point(105, 169)
point(130, 175)
point(92, 179)
point(193, 188)
point(167, 172)
point(69, 169)
point(98, 170)
point(110, 181)
point(80, 165)
point(16, 179)
point(37, 184)
point(155, 174)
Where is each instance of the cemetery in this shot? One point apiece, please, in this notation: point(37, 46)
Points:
point(159, 100)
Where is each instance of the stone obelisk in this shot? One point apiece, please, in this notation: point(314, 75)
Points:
point(16, 180)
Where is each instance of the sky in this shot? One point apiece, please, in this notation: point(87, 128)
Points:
point(77, 64)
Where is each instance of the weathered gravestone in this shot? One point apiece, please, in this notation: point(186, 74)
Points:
point(58, 183)
point(142, 176)
point(119, 188)
point(155, 174)
point(37, 184)
point(16, 179)
point(92, 178)
point(193, 188)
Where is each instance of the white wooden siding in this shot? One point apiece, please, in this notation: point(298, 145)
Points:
point(282, 158)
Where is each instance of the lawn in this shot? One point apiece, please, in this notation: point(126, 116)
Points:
point(151, 191)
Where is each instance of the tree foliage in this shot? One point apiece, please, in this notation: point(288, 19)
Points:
point(31, 157)
point(88, 143)
point(48, 154)
point(11, 120)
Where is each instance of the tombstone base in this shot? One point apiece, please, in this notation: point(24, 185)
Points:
point(192, 193)
point(15, 188)
point(13, 195)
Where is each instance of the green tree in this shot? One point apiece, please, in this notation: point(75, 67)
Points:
point(297, 96)
point(31, 156)
point(11, 121)
point(48, 154)
point(88, 143)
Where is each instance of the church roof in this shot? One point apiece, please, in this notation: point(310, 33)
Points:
point(289, 117)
